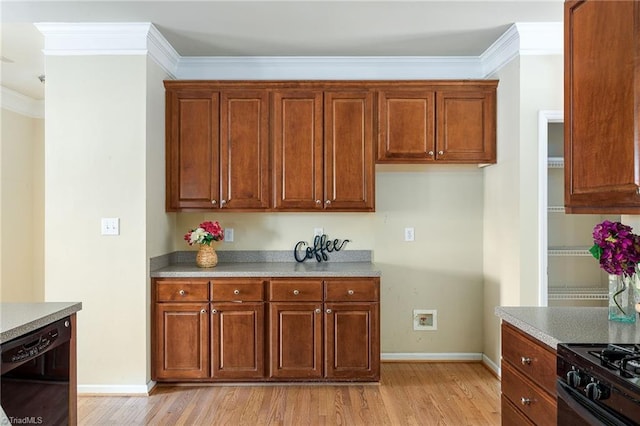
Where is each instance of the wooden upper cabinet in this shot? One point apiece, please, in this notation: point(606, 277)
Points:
point(192, 149)
point(444, 123)
point(406, 123)
point(217, 149)
point(466, 126)
point(298, 149)
point(348, 151)
point(602, 59)
point(244, 149)
point(323, 150)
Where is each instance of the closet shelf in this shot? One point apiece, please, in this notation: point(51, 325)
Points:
point(569, 251)
point(555, 162)
point(565, 293)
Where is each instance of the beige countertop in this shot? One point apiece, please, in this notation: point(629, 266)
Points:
point(553, 325)
point(17, 319)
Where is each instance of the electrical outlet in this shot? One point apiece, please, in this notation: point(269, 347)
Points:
point(110, 226)
point(228, 235)
point(425, 319)
point(317, 232)
point(409, 234)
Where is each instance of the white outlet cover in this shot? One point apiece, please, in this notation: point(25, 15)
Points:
point(317, 232)
point(228, 235)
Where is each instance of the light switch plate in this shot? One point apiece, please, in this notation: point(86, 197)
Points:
point(317, 232)
point(228, 235)
point(409, 234)
point(110, 226)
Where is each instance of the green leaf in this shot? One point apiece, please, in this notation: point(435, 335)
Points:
point(596, 251)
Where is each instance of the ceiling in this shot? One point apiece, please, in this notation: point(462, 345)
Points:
point(275, 28)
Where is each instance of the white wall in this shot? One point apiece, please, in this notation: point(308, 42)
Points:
point(96, 166)
point(21, 202)
point(527, 84)
point(441, 269)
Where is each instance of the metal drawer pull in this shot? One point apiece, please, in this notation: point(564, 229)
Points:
point(182, 292)
point(214, 202)
point(525, 401)
point(328, 311)
point(296, 292)
point(525, 360)
point(203, 311)
point(440, 152)
point(236, 291)
point(430, 153)
point(317, 310)
point(350, 292)
point(214, 311)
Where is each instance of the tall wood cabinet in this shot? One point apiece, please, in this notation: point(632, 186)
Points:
point(602, 124)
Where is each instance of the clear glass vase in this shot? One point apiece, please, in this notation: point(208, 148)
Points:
point(622, 298)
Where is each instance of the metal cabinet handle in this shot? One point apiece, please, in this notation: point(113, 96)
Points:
point(296, 292)
point(350, 292)
point(328, 311)
point(440, 152)
point(214, 202)
point(236, 291)
point(223, 203)
point(430, 153)
point(328, 202)
point(525, 401)
point(318, 202)
point(182, 292)
point(317, 310)
point(203, 311)
point(214, 311)
point(525, 360)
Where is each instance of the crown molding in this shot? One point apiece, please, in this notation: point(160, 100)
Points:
point(144, 38)
point(540, 38)
point(108, 38)
point(21, 104)
point(328, 67)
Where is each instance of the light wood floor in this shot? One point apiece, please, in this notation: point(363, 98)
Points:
point(408, 394)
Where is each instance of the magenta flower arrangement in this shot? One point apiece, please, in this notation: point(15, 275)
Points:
point(205, 233)
point(616, 247)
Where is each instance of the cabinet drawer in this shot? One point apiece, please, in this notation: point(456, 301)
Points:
point(530, 399)
point(237, 290)
point(354, 290)
point(532, 358)
point(295, 290)
point(511, 416)
point(182, 291)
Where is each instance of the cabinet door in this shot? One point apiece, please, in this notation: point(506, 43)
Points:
point(244, 149)
point(192, 150)
point(297, 149)
point(466, 126)
point(348, 151)
point(602, 160)
point(237, 337)
point(295, 340)
point(352, 346)
point(181, 336)
point(406, 120)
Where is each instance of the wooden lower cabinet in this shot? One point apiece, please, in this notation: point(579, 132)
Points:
point(352, 349)
point(266, 330)
point(237, 340)
point(181, 341)
point(528, 379)
point(295, 340)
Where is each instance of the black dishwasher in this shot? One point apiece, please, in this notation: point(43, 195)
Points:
point(34, 386)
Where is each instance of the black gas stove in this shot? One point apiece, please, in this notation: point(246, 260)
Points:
point(598, 384)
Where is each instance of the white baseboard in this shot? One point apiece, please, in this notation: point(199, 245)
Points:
point(492, 365)
point(116, 389)
point(420, 356)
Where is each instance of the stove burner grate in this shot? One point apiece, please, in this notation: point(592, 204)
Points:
point(623, 359)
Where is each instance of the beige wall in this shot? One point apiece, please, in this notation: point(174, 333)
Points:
point(21, 217)
point(511, 264)
point(96, 166)
point(441, 269)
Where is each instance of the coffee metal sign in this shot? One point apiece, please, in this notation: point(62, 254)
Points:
point(321, 246)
